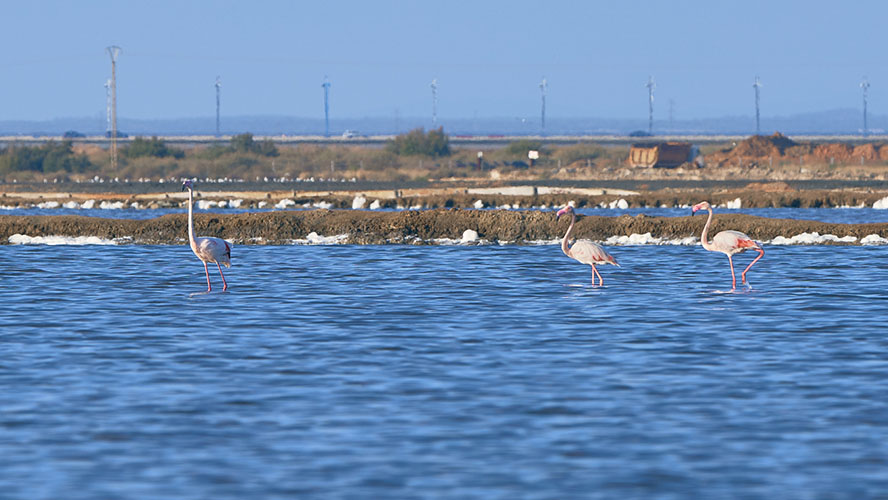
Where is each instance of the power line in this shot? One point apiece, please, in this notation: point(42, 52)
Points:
point(218, 86)
point(865, 86)
point(434, 101)
point(651, 86)
point(326, 86)
point(757, 85)
point(543, 87)
point(114, 52)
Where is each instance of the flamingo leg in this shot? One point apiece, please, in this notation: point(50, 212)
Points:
point(743, 275)
point(733, 277)
point(596, 273)
point(224, 283)
point(209, 287)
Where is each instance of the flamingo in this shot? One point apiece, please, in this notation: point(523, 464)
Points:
point(206, 248)
point(728, 243)
point(584, 251)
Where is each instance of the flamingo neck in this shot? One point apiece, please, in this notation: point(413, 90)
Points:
point(191, 219)
point(704, 238)
point(564, 242)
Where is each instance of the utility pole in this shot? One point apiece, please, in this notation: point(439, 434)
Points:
point(865, 86)
point(108, 107)
point(543, 87)
point(651, 86)
point(757, 85)
point(326, 86)
point(434, 101)
point(218, 86)
point(114, 52)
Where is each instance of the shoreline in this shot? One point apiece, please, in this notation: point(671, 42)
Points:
point(423, 227)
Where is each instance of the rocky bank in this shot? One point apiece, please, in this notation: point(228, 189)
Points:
point(412, 227)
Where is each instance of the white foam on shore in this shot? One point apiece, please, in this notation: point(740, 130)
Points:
point(735, 204)
point(881, 204)
point(460, 242)
point(635, 239)
point(22, 239)
point(286, 202)
point(873, 239)
point(814, 238)
point(314, 238)
point(620, 203)
point(469, 236)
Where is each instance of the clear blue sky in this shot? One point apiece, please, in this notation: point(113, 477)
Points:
point(488, 57)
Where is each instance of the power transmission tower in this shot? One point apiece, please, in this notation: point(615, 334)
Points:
point(543, 87)
point(651, 86)
point(757, 85)
point(434, 101)
point(865, 86)
point(326, 86)
point(218, 86)
point(114, 52)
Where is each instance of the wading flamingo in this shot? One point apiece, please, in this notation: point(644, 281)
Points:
point(207, 249)
point(584, 251)
point(728, 243)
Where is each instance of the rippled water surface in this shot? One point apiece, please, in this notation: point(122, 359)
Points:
point(442, 372)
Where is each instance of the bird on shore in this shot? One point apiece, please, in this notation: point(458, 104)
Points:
point(584, 251)
point(728, 243)
point(207, 249)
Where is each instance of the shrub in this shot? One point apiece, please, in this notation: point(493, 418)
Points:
point(417, 142)
point(151, 147)
point(244, 143)
point(50, 157)
point(520, 148)
point(579, 152)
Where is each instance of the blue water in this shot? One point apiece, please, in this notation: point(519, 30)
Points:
point(835, 215)
point(442, 372)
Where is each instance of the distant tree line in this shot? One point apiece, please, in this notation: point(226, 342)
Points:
point(51, 157)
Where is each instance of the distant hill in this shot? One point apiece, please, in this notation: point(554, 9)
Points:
point(837, 121)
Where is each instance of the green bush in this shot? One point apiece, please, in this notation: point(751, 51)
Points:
point(579, 152)
point(520, 148)
point(417, 142)
point(244, 143)
point(151, 147)
point(50, 157)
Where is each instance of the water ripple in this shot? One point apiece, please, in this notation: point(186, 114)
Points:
point(442, 372)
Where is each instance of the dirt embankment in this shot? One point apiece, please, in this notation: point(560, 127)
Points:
point(410, 227)
point(761, 149)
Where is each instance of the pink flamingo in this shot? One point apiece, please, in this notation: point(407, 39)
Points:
point(207, 249)
point(584, 251)
point(728, 243)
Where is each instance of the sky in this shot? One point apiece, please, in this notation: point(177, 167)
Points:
point(488, 57)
